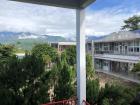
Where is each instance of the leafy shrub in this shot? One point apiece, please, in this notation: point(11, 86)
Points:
point(116, 95)
point(23, 82)
point(45, 51)
point(136, 67)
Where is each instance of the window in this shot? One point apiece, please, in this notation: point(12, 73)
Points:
point(106, 47)
point(136, 43)
point(136, 49)
point(130, 49)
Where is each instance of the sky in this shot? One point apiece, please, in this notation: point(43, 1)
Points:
point(102, 17)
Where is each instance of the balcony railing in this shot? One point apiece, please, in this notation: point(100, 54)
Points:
point(66, 102)
point(117, 53)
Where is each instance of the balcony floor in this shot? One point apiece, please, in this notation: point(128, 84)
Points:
point(118, 58)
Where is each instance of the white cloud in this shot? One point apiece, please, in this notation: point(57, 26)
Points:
point(40, 19)
point(108, 20)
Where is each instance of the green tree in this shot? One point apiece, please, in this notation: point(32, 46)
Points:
point(136, 67)
point(93, 89)
point(131, 24)
point(6, 51)
point(106, 101)
point(71, 55)
point(89, 67)
point(41, 50)
point(24, 82)
point(116, 95)
point(63, 88)
point(92, 83)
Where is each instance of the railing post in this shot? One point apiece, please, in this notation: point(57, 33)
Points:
point(81, 56)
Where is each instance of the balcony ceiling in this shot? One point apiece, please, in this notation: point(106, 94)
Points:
point(73, 4)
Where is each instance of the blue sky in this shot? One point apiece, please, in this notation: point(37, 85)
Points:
point(102, 17)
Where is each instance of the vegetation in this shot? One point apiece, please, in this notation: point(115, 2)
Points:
point(136, 67)
point(26, 82)
point(90, 72)
point(63, 88)
point(71, 55)
point(45, 51)
point(23, 82)
point(6, 51)
point(131, 24)
point(93, 89)
point(116, 95)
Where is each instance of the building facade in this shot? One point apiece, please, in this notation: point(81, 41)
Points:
point(117, 52)
point(61, 46)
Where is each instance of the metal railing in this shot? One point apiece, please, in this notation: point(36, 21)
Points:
point(63, 102)
point(66, 102)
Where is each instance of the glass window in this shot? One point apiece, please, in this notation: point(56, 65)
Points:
point(136, 49)
point(136, 43)
point(130, 49)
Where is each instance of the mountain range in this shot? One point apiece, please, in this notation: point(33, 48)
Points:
point(26, 40)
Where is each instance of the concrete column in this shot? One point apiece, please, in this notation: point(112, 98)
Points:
point(81, 56)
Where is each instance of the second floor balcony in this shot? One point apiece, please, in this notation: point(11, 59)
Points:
point(117, 57)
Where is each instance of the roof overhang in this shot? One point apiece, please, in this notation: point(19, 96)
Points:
point(64, 43)
point(73, 4)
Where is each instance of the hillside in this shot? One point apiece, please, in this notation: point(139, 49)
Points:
point(26, 40)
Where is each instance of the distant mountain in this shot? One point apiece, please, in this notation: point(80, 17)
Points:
point(26, 40)
point(8, 37)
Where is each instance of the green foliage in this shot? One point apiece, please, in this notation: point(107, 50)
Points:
point(106, 101)
point(23, 82)
point(116, 95)
point(71, 55)
point(45, 51)
point(92, 85)
point(92, 91)
point(63, 88)
point(6, 51)
point(133, 23)
point(136, 67)
point(89, 67)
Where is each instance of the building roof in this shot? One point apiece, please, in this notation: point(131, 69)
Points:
point(64, 43)
point(120, 36)
point(74, 4)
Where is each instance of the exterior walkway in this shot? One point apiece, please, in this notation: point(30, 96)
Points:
point(129, 77)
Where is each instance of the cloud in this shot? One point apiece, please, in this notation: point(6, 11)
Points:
point(17, 17)
point(108, 20)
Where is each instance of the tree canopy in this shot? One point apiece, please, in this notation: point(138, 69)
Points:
point(26, 82)
point(63, 88)
point(45, 51)
point(136, 67)
point(71, 55)
point(23, 82)
point(132, 23)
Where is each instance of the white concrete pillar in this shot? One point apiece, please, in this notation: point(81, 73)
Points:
point(81, 56)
